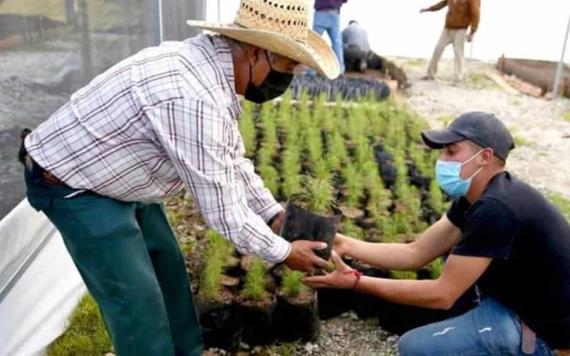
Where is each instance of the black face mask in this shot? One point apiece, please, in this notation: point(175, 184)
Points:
point(275, 84)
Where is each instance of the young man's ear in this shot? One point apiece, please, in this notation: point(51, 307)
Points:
point(488, 156)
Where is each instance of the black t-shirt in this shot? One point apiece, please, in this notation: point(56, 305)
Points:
point(529, 241)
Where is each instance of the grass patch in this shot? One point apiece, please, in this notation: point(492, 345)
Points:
point(562, 203)
point(282, 349)
point(86, 334)
point(445, 119)
point(520, 141)
point(565, 116)
point(481, 81)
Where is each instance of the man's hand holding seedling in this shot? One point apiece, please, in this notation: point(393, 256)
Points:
point(303, 258)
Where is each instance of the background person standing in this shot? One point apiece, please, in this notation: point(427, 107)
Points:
point(327, 18)
point(461, 15)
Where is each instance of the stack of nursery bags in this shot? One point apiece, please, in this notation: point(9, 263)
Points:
point(39, 284)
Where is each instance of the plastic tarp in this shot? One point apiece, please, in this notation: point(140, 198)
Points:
point(39, 284)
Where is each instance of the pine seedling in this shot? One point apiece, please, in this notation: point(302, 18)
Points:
point(247, 128)
point(349, 228)
point(291, 172)
point(318, 195)
point(292, 282)
point(353, 185)
point(270, 177)
point(254, 286)
point(436, 197)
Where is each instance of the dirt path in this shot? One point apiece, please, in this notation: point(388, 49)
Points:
point(542, 156)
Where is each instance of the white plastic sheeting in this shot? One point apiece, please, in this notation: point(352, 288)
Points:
point(39, 284)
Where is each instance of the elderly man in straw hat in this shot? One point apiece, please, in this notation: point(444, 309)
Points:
point(160, 120)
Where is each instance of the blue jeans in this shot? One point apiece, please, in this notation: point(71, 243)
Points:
point(489, 329)
point(330, 21)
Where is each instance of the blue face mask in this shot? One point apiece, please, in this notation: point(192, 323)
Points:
point(448, 176)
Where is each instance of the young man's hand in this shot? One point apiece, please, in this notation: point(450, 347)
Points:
point(342, 278)
point(423, 10)
point(340, 244)
point(303, 258)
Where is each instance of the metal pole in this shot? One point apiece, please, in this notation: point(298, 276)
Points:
point(219, 11)
point(86, 60)
point(160, 22)
point(561, 63)
point(157, 30)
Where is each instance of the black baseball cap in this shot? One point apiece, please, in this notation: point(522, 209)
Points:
point(481, 128)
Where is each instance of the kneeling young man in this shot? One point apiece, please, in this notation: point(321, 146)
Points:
point(502, 235)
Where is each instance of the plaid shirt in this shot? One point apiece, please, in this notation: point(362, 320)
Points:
point(165, 117)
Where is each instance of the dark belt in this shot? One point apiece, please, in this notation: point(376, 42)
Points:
point(32, 166)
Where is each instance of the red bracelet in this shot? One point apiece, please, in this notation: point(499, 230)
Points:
point(357, 274)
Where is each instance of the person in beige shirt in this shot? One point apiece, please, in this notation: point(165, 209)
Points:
point(461, 15)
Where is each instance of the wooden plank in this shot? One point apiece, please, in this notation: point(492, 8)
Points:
point(498, 79)
point(514, 85)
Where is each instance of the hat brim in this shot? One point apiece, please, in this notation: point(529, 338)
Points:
point(438, 139)
point(315, 54)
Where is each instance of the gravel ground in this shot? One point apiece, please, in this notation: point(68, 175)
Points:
point(347, 335)
point(543, 136)
point(343, 335)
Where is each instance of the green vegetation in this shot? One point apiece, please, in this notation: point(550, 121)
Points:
point(216, 255)
point(562, 203)
point(254, 286)
point(481, 81)
point(247, 128)
point(520, 141)
point(318, 195)
point(403, 274)
point(566, 116)
point(437, 267)
point(282, 349)
point(292, 282)
point(86, 334)
point(436, 197)
point(354, 185)
point(446, 119)
point(349, 228)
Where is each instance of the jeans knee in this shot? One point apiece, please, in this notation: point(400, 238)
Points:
point(411, 343)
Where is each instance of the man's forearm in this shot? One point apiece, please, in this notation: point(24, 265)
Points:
point(426, 293)
point(440, 5)
point(382, 255)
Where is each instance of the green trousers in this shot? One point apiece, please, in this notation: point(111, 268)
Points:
point(130, 261)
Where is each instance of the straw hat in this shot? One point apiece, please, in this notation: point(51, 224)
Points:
point(279, 26)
